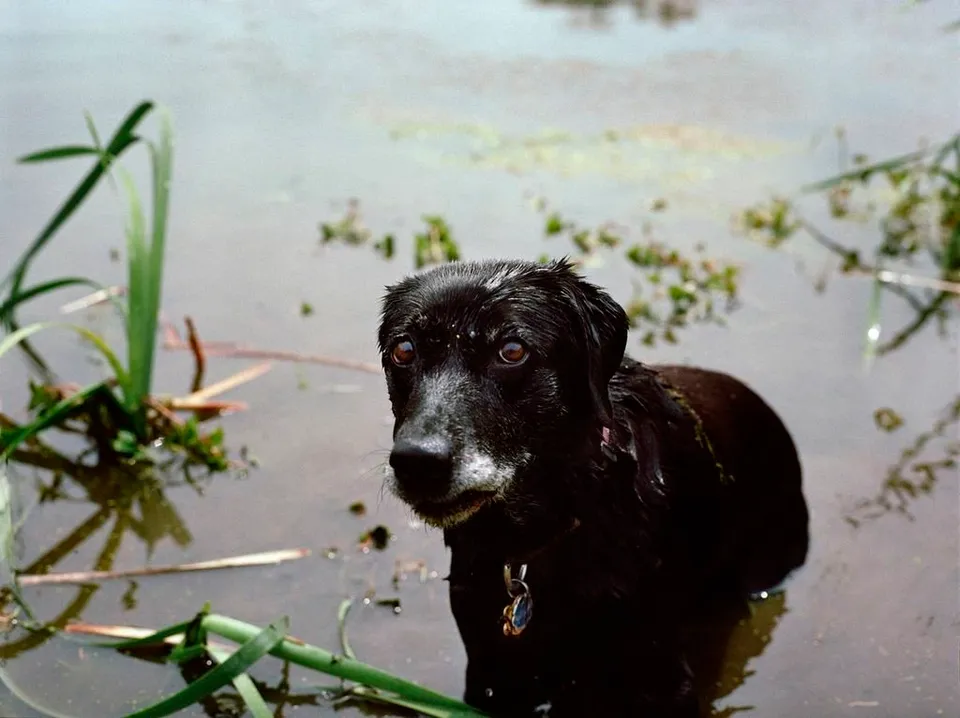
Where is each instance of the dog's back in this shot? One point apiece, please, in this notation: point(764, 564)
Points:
point(746, 514)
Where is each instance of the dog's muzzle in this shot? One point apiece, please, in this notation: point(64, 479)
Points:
point(423, 467)
point(442, 486)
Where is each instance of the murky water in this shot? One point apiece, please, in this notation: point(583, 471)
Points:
point(284, 111)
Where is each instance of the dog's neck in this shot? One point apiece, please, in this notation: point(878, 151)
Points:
point(507, 540)
point(517, 539)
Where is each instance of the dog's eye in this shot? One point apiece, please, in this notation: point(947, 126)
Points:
point(403, 352)
point(513, 352)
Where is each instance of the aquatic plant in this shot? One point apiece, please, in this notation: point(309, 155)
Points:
point(919, 227)
point(916, 257)
point(675, 290)
point(118, 414)
point(212, 665)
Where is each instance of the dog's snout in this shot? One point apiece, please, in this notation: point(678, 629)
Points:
point(423, 466)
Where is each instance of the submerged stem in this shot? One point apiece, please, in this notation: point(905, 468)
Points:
point(340, 666)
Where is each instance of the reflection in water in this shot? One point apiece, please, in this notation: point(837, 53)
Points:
point(131, 498)
point(227, 704)
point(915, 473)
point(724, 642)
point(665, 12)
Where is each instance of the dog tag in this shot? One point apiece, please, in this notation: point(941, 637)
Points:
point(517, 614)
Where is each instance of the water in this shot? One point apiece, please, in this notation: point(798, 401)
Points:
point(284, 112)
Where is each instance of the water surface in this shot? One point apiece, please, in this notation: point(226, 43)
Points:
point(285, 111)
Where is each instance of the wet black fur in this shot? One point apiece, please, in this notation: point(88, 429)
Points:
point(701, 495)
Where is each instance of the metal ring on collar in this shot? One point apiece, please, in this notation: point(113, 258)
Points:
point(515, 586)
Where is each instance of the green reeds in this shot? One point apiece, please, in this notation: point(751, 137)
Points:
point(145, 276)
point(122, 139)
point(123, 397)
point(192, 641)
point(919, 226)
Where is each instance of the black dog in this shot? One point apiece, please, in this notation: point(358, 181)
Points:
point(590, 502)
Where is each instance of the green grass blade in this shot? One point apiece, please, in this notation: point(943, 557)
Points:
point(121, 140)
point(92, 129)
point(951, 145)
point(238, 662)
point(151, 640)
point(50, 417)
point(143, 324)
point(374, 684)
point(251, 696)
point(318, 659)
point(98, 145)
point(951, 255)
point(11, 340)
point(9, 306)
point(58, 153)
point(245, 687)
point(137, 298)
point(860, 172)
point(873, 324)
point(342, 612)
point(942, 150)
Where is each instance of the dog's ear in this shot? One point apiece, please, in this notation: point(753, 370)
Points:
point(603, 332)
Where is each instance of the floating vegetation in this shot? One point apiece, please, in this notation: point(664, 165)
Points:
point(378, 538)
point(675, 290)
point(434, 245)
point(666, 12)
point(671, 155)
point(919, 229)
point(351, 230)
point(931, 455)
point(887, 419)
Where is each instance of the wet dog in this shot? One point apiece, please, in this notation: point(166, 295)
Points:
point(591, 503)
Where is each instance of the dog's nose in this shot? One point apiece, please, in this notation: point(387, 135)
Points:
point(423, 465)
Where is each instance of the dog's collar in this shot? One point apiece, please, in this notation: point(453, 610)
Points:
point(518, 612)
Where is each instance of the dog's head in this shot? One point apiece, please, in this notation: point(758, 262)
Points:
point(491, 366)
